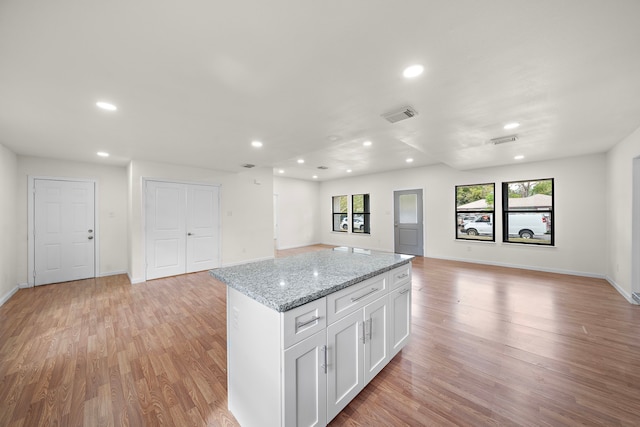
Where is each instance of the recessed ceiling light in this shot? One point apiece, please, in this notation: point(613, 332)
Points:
point(519, 157)
point(315, 176)
point(256, 144)
point(413, 71)
point(348, 170)
point(106, 106)
point(300, 161)
point(511, 125)
point(102, 154)
point(409, 160)
point(367, 143)
point(281, 171)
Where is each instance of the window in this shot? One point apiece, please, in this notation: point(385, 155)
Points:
point(474, 212)
point(340, 213)
point(527, 212)
point(360, 209)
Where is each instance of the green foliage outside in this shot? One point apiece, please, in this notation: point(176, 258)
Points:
point(472, 193)
point(530, 188)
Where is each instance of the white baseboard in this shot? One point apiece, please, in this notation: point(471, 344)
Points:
point(135, 280)
point(282, 248)
point(612, 282)
point(25, 285)
point(111, 273)
point(526, 267)
point(231, 264)
point(620, 290)
point(8, 295)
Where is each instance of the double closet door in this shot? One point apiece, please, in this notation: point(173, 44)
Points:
point(182, 228)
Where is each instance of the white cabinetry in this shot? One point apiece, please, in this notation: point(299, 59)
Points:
point(305, 382)
point(303, 366)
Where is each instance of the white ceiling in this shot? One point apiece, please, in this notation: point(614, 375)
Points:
point(196, 81)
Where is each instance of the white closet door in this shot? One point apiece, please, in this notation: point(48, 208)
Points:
point(165, 229)
point(202, 227)
point(64, 224)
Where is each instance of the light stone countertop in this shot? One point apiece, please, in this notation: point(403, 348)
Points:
point(286, 283)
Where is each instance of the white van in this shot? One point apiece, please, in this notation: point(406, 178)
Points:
point(525, 225)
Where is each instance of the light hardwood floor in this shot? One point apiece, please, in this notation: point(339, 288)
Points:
point(490, 346)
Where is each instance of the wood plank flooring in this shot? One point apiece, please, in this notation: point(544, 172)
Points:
point(491, 347)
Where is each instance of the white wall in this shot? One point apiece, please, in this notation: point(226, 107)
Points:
point(111, 209)
point(8, 213)
point(298, 212)
point(246, 211)
point(580, 224)
point(620, 220)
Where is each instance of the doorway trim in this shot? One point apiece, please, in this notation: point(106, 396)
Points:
point(635, 231)
point(31, 249)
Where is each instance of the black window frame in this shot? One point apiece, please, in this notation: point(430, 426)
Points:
point(365, 214)
point(340, 215)
point(460, 214)
point(549, 221)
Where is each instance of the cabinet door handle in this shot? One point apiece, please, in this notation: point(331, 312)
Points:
point(313, 319)
point(324, 365)
point(370, 322)
point(404, 292)
point(402, 276)
point(364, 334)
point(362, 296)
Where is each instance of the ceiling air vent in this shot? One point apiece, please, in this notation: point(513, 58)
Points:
point(401, 114)
point(504, 139)
point(323, 167)
point(248, 166)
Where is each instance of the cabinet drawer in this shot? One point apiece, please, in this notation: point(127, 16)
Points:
point(304, 321)
point(341, 303)
point(400, 275)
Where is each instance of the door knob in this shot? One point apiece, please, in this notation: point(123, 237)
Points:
point(90, 237)
point(90, 231)
point(189, 234)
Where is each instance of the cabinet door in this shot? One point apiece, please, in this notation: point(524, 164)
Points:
point(345, 373)
point(305, 382)
point(400, 312)
point(376, 348)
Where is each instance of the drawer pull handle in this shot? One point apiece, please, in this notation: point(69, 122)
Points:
point(324, 365)
point(362, 296)
point(404, 292)
point(402, 276)
point(313, 319)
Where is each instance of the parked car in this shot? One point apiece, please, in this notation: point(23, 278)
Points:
point(465, 219)
point(481, 224)
point(358, 223)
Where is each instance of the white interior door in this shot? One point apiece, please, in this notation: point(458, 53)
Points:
point(182, 228)
point(64, 230)
point(202, 227)
point(165, 229)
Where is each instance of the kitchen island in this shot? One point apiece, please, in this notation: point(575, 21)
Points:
point(306, 333)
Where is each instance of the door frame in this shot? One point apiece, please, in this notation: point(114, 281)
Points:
point(422, 207)
point(31, 204)
point(143, 213)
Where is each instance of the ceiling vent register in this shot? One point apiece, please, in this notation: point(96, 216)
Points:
point(401, 114)
point(504, 139)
